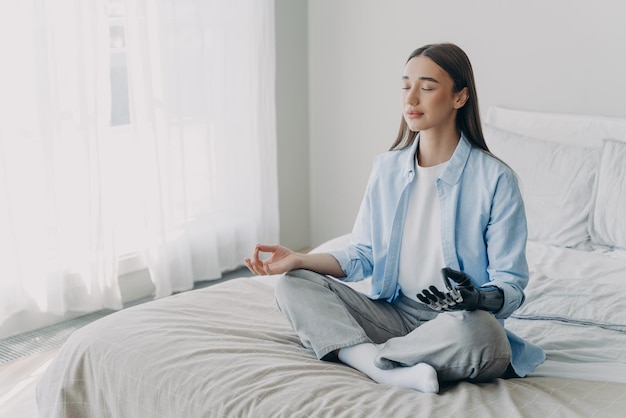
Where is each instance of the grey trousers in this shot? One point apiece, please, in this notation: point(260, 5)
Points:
point(328, 315)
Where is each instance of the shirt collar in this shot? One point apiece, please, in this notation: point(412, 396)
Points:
point(452, 173)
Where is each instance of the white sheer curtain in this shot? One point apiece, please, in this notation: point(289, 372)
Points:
point(202, 104)
point(186, 179)
point(56, 239)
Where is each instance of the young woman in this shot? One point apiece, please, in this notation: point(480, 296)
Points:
point(437, 199)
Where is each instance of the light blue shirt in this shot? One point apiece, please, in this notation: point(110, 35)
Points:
point(483, 230)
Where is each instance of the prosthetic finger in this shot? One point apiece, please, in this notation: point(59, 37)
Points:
point(428, 298)
point(438, 300)
point(437, 293)
point(423, 299)
point(461, 279)
point(432, 298)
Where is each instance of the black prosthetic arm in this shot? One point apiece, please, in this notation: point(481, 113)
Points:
point(462, 295)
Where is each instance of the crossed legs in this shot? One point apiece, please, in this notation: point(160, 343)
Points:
point(417, 348)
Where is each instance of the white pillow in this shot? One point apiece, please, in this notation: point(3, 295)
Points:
point(609, 219)
point(556, 181)
point(571, 129)
point(333, 244)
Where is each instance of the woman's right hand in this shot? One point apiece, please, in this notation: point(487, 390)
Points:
point(281, 260)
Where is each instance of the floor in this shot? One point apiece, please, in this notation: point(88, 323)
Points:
point(18, 380)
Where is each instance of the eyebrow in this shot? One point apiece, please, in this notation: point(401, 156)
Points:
point(434, 80)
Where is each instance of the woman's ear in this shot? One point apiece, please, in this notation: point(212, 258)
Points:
point(461, 98)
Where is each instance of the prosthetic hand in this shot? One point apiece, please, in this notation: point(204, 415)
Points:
point(462, 296)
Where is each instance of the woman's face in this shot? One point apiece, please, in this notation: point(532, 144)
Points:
point(428, 100)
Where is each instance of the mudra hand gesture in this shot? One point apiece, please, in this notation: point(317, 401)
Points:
point(281, 260)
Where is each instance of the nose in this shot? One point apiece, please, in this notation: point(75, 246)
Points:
point(412, 96)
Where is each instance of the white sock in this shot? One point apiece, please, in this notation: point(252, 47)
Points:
point(421, 377)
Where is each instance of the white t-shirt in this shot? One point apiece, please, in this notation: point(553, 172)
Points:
point(421, 256)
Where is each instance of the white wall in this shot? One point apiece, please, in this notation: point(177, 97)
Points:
point(559, 55)
point(292, 122)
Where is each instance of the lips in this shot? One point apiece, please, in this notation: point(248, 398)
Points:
point(413, 114)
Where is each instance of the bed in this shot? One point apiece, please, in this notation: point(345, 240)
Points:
point(226, 350)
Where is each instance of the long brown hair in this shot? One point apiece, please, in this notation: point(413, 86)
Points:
point(455, 62)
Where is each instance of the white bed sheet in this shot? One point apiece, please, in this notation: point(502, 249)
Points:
point(576, 311)
point(227, 351)
point(584, 333)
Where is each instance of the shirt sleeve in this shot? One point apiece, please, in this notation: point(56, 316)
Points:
point(506, 237)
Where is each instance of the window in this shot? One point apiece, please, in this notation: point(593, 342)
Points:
point(120, 112)
point(128, 231)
